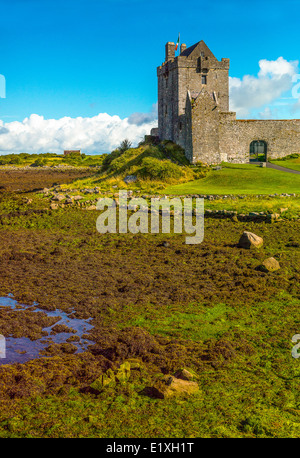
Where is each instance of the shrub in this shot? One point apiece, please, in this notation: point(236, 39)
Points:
point(39, 162)
point(159, 169)
point(125, 145)
point(15, 160)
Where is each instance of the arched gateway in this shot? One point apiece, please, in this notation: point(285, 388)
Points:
point(258, 151)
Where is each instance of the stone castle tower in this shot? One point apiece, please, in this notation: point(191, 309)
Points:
point(193, 111)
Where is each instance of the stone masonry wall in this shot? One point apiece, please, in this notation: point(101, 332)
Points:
point(205, 130)
point(282, 137)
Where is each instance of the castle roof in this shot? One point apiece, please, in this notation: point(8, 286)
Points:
point(199, 49)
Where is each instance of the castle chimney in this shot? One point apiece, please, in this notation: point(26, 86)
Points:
point(182, 47)
point(170, 51)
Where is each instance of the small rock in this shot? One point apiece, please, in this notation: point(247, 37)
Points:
point(130, 179)
point(53, 206)
point(105, 379)
point(248, 240)
point(269, 265)
point(170, 386)
point(123, 372)
point(58, 198)
point(184, 374)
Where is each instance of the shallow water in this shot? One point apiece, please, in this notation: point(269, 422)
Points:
point(22, 349)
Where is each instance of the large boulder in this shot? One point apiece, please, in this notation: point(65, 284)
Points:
point(250, 240)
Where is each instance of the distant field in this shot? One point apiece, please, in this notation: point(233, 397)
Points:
point(293, 164)
point(241, 179)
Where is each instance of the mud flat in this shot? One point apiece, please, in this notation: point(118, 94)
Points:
point(30, 178)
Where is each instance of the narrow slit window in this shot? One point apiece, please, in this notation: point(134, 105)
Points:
point(203, 79)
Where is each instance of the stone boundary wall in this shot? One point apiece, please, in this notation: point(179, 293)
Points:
point(282, 137)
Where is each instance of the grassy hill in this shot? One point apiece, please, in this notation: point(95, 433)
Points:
point(152, 167)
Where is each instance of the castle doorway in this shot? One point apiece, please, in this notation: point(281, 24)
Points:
point(258, 151)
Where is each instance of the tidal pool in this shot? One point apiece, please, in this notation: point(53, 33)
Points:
point(22, 349)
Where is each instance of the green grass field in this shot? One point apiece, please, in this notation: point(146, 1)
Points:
point(240, 179)
point(293, 164)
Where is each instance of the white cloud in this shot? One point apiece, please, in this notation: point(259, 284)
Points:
point(144, 118)
point(99, 134)
point(274, 78)
point(268, 113)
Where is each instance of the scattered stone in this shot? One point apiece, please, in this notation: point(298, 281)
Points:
point(184, 374)
point(170, 386)
point(58, 198)
point(123, 373)
point(130, 179)
point(105, 379)
point(28, 201)
point(54, 206)
point(249, 240)
point(77, 198)
point(274, 216)
point(269, 265)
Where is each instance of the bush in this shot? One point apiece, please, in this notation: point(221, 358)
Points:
point(159, 169)
point(286, 158)
point(15, 160)
point(125, 145)
point(39, 162)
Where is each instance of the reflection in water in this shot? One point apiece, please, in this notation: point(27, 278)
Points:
point(21, 349)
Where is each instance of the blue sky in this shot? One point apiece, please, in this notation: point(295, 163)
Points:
point(82, 58)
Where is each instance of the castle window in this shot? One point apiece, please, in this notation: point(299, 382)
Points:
point(203, 79)
point(180, 125)
point(202, 54)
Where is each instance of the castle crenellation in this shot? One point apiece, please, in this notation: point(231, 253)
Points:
point(193, 111)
